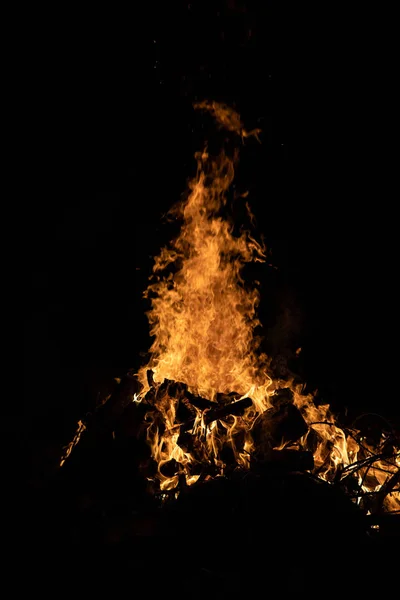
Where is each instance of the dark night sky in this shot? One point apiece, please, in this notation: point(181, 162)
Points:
point(111, 133)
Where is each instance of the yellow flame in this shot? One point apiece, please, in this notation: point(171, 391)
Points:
point(202, 319)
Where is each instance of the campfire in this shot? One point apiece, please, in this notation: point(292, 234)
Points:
point(208, 405)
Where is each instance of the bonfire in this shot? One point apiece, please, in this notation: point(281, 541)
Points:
point(207, 404)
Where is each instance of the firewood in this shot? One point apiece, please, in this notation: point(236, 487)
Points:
point(224, 399)
point(234, 409)
point(282, 396)
point(178, 391)
point(185, 411)
point(275, 426)
point(199, 402)
point(150, 377)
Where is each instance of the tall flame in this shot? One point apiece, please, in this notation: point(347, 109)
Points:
point(202, 316)
point(211, 402)
point(202, 319)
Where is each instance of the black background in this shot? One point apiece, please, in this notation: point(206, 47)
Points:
point(111, 133)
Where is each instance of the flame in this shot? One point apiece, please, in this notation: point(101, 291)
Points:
point(210, 395)
point(203, 318)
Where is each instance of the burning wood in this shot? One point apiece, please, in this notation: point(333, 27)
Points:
point(278, 426)
point(210, 405)
point(236, 408)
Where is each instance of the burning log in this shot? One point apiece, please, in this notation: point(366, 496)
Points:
point(282, 396)
point(199, 402)
point(281, 424)
point(150, 377)
point(233, 409)
point(227, 404)
point(185, 412)
point(178, 391)
point(223, 399)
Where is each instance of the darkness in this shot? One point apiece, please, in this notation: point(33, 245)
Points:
point(111, 135)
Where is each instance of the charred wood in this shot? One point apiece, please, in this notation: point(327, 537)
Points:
point(199, 402)
point(150, 377)
point(234, 409)
point(224, 399)
point(281, 397)
point(283, 423)
point(175, 390)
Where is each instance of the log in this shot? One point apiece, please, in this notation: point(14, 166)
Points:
point(281, 424)
point(282, 396)
point(150, 377)
point(199, 402)
point(223, 399)
point(185, 412)
point(188, 403)
point(177, 390)
point(234, 409)
point(284, 423)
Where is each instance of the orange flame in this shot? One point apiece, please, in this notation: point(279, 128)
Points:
point(202, 319)
point(206, 358)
